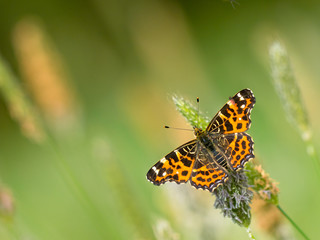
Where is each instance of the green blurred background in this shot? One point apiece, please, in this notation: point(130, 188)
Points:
point(99, 75)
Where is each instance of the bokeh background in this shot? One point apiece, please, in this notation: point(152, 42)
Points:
point(86, 88)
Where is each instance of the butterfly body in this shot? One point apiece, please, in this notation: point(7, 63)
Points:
point(212, 143)
point(217, 151)
point(202, 136)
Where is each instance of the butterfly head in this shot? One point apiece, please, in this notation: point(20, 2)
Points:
point(198, 131)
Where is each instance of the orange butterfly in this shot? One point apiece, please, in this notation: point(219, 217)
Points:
point(218, 150)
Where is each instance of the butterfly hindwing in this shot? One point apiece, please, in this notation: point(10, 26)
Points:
point(234, 116)
point(207, 176)
point(240, 149)
point(207, 173)
point(175, 166)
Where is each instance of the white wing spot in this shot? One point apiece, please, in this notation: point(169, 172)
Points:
point(242, 106)
point(241, 98)
point(163, 160)
point(155, 170)
point(239, 95)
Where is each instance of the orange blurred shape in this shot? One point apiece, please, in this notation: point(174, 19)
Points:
point(268, 217)
point(43, 71)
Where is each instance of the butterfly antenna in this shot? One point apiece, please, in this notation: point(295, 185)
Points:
point(198, 103)
point(178, 128)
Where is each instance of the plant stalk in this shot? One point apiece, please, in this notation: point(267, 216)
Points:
point(293, 223)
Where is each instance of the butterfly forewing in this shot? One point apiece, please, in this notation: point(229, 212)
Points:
point(175, 166)
point(234, 116)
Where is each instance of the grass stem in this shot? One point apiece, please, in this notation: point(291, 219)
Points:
point(293, 223)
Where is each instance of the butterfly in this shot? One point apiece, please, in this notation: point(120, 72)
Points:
point(217, 151)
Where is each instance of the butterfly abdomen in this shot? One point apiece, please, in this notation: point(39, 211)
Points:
point(212, 150)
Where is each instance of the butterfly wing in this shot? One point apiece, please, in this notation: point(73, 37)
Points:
point(175, 166)
point(239, 150)
point(206, 173)
point(234, 116)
